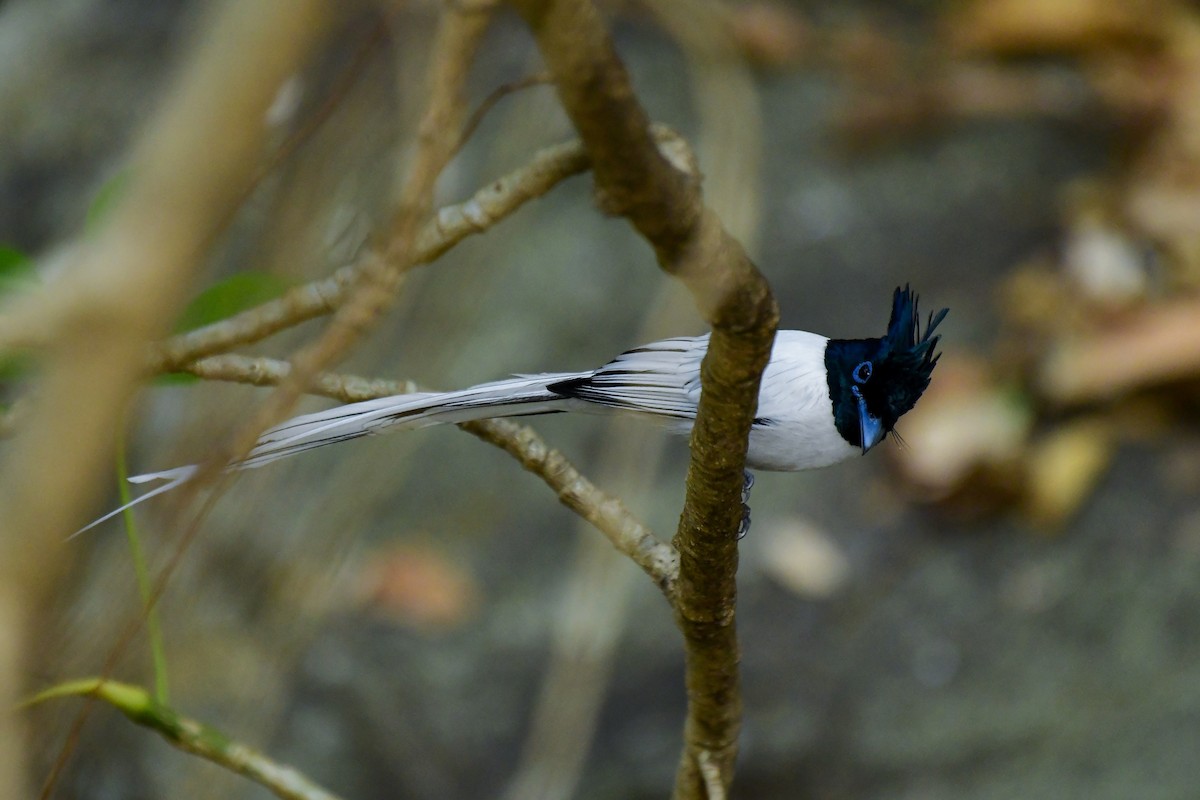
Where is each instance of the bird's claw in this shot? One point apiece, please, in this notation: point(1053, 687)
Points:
point(744, 527)
point(747, 485)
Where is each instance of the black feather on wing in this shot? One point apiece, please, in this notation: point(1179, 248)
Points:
point(662, 378)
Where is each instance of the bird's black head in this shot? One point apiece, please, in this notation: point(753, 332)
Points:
point(873, 382)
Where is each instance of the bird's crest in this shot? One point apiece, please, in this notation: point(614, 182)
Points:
point(874, 382)
point(908, 356)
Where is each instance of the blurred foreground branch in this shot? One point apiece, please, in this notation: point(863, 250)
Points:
point(382, 273)
point(638, 176)
point(189, 169)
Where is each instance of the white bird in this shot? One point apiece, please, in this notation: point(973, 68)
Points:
point(821, 400)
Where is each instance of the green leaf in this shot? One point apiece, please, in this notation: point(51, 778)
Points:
point(220, 301)
point(224, 299)
point(15, 366)
point(105, 199)
point(16, 273)
point(16, 270)
point(158, 652)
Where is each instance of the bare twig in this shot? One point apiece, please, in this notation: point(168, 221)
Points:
point(449, 226)
point(452, 224)
point(486, 208)
point(727, 103)
point(634, 180)
point(498, 94)
point(379, 279)
point(607, 513)
point(577, 493)
point(382, 274)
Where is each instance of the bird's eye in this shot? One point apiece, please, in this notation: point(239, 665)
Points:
point(862, 373)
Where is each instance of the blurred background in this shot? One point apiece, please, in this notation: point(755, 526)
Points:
point(1005, 606)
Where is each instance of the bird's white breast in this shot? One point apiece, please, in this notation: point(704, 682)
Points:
point(796, 430)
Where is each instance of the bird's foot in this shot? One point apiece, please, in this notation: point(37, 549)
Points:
point(747, 485)
point(744, 527)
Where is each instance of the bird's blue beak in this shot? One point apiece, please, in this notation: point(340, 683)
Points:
point(870, 427)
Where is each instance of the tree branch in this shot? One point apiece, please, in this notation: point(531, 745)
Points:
point(194, 737)
point(448, 227)
point(634, 180)
point(382, 272)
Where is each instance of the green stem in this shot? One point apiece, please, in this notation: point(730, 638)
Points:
point(158, 653)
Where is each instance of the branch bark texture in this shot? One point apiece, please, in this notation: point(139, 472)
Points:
point(634, 180)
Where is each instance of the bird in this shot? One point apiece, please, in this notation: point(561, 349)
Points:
point(821, 400)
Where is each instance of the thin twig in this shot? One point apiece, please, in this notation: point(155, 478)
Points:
point(377, 282)
point(607, 513)
point(594, 609)
point(498, 94)
point(448, 227)
point(383, 272)
point(194, 737)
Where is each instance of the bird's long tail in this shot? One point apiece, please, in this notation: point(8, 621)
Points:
point(523, 395)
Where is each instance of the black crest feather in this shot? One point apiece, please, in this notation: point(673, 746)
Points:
point(902, 362)
point(908, 355)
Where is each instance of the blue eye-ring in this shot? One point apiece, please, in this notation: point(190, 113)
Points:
point(862, 373)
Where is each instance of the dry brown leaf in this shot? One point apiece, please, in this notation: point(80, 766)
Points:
point(770, 34)
point(1025, 27)
point(1153, 346)
point(964, 436)
point(417, 586)
point(803, 558)
point(1062, 469)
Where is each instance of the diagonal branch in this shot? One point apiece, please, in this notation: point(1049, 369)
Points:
point(449, 226)
point(383, 271)
point(193, 737)
point(634, 180)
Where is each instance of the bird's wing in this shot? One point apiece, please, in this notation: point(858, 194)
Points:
point(661, 379)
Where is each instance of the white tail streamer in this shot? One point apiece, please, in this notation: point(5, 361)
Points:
point(173, 477)
point(659, 380)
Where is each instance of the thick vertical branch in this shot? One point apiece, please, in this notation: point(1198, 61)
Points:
point(634, 180)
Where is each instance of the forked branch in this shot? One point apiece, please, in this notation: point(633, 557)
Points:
point(635, 180)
